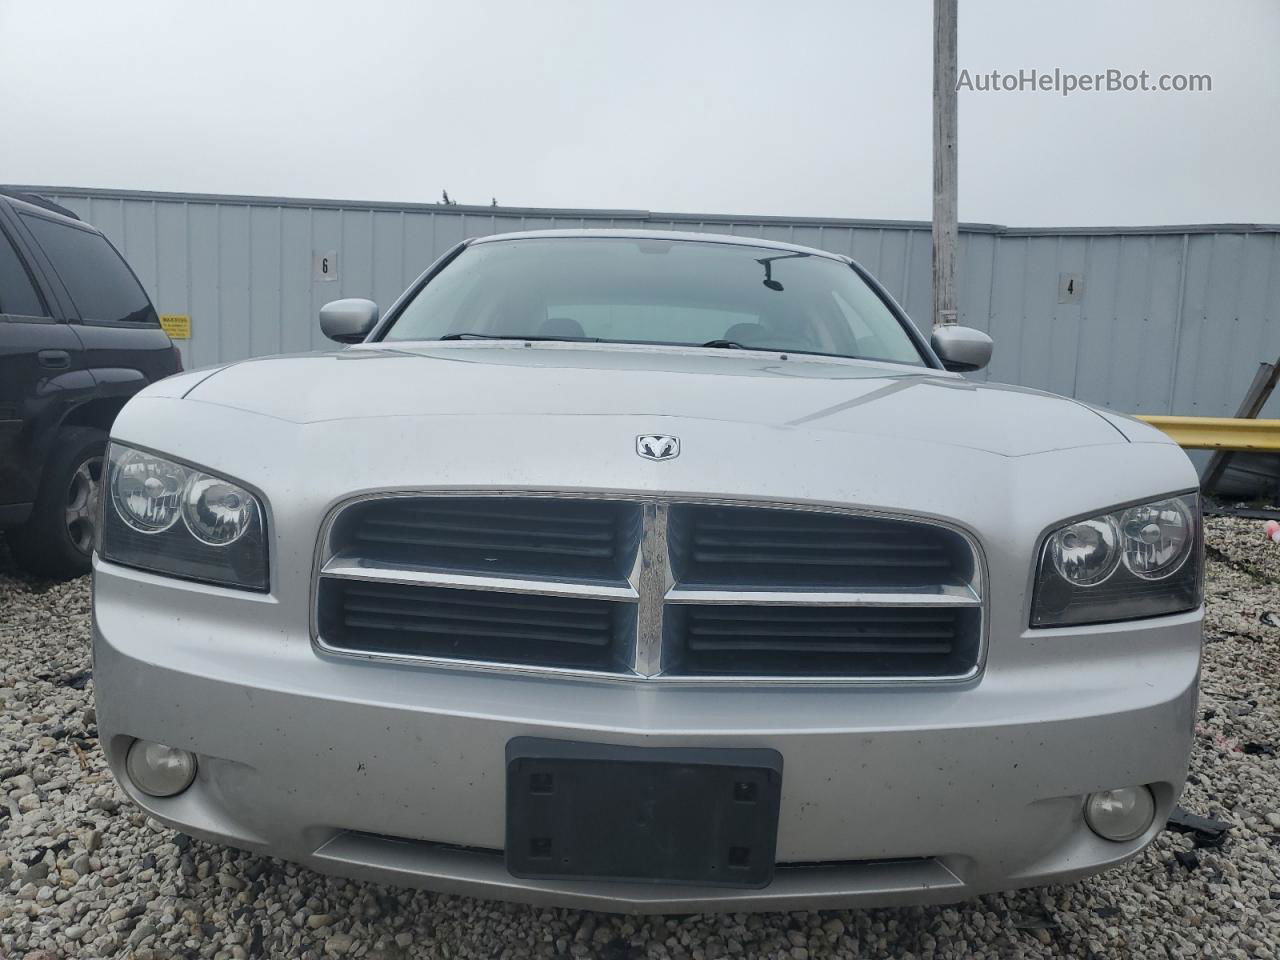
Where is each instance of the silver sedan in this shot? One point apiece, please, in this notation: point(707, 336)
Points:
point(648, 572)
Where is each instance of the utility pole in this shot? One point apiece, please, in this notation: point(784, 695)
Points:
point(945, 213)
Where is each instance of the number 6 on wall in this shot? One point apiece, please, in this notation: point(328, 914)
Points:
point(324, 265)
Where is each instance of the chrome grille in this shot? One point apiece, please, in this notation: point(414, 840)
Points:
point(644, 588)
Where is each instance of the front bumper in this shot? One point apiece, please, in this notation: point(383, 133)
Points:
point(889, 795)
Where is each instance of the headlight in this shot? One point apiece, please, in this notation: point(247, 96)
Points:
point(1086, 552)
point(217, 512)
point(1157, 538)
point(145, 491)
point(170, 518)
point(1143, 561)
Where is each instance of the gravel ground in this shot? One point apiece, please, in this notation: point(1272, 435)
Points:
point(84, 873)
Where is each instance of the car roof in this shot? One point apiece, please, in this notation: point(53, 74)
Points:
point(663, 235)
point(41, 206)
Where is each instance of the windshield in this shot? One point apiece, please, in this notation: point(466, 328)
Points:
point(632, 290)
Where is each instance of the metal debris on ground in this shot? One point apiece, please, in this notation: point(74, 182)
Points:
point(1204, 831)
point(1187, 858)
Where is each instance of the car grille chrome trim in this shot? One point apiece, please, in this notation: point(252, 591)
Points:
point(353, 569)
point(945, 597)
point(651, 587)
point(653, 578)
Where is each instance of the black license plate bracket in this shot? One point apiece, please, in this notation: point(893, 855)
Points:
point(704, 816)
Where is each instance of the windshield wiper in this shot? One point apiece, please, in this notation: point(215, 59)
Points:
point(516, 336)
point(720, 344)
point(735, 345)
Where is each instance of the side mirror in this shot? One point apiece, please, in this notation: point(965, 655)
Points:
point(348, 321)
point(961, 349)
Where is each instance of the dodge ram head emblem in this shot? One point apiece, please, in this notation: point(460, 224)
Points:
point(657, 447)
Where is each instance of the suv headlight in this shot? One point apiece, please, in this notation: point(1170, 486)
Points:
point(170, 518)
point(1139, 561)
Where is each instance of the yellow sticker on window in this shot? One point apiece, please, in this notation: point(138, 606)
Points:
point(176, 325)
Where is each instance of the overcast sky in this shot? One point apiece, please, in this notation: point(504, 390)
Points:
point(805, 107)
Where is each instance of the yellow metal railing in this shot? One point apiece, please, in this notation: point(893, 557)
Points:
point(1220, 433)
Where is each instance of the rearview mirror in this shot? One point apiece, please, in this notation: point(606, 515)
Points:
point(961, 349)
point(348, 321)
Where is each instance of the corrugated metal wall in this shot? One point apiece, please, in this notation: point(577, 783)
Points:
point(1166, 320)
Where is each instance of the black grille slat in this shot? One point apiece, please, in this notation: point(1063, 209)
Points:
point(391, 589)
point(732, 522)
point(782, 557)
point(750, 613)
point(763, 547)
point(816, 541)
point(483, 615)
point(558, 519)
point(429, 621)
point(517, 536)
point(749, 622)
point(766, 622)
point(512, 527)
point(702, 629)
point(509, 545)
point(498, 607)
point(819, 646)
point(444, 528)
point(442, 612)
point(782, 640)
point(456, 630)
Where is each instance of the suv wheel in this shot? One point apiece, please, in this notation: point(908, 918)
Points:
point(57, 539)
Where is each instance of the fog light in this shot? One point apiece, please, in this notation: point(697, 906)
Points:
point(158, 770)
point(1121, 814)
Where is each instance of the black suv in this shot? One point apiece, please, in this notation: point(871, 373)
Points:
point(78, 338)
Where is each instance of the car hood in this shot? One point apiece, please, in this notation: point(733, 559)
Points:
point(511, 379)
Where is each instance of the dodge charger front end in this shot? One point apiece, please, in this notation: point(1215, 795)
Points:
point(647, 572)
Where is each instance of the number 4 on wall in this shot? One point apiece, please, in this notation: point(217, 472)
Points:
point(1070, 287)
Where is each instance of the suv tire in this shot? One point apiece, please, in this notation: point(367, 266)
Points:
point(57, 539)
